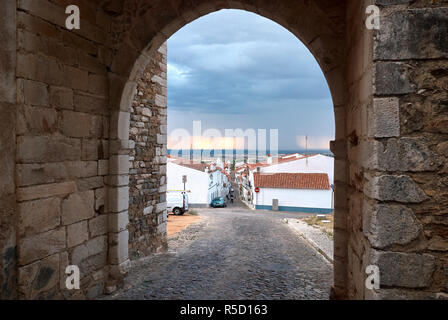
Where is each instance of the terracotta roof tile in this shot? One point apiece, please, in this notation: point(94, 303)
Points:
point(311, 181)
point(192, 165)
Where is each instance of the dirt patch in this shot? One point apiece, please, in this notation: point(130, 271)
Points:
point(176, 224)
point(325, 224)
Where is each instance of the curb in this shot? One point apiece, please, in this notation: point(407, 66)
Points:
point(313, 244)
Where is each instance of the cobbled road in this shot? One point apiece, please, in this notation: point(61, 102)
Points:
point(233, 253)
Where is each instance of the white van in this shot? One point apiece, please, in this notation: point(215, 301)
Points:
point(177, 202)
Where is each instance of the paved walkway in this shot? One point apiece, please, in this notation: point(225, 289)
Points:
point(176, 224)
point(233, 253)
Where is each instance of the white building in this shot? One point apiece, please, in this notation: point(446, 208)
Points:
point(294, 193)
point(302, 164)
point(301, 192)
point(204, 182)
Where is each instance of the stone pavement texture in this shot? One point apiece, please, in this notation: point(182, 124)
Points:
point(176, 224)
point(316, 237)
point(232, 253)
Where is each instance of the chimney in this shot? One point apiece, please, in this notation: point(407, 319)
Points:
point(269, 159)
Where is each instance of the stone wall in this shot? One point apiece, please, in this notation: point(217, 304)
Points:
point(405, 185)
point(147, 175)
point(71, 122)
point(62, 133)
point(395, 142)
point(360, 79)
point(8, 241)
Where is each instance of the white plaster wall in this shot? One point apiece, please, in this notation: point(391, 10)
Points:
point(294, 198)
point(316, 164)
point(197, 182)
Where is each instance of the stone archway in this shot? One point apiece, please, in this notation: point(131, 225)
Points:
point(59, 87)
point(325, 41)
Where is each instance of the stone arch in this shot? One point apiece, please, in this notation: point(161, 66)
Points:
point(320, 25)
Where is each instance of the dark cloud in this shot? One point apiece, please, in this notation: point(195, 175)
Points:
point(242, 65)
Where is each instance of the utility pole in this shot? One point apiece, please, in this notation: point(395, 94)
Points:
point(306, 149)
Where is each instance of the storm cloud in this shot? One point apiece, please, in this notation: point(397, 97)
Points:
point(235, 69)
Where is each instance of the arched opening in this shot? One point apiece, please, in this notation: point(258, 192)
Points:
point(65, 103)
point(321, 40)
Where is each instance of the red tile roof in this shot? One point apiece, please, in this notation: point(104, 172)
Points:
point(252, 166)
point(310, 181)
point(192, 165)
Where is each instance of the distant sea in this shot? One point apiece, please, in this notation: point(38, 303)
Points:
point(206, 152)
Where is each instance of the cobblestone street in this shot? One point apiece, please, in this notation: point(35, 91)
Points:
point(233, 253)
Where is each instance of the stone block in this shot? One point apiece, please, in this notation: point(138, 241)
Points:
point(394, 188)
point(91, 248)
point(100, 198)
point(118, 247)
point(39, 277)
point(40, 149)
point(90, 104)
point(160, 207)
point(38, 216)
point(148, 210)
point(30, 174)
point(40, 68)
point(407, 270)
point(413, 34)
point(77, 233)
point(7, 148)
point(118, 221)
point(76, 78)
point(8, 51)
point(33, 92)
point(45, 10)
point(386, 224)
point(37, 121)
point(117, 180)
point(61, 98)
point(103, 167)
point(45, 191)
point(405, 154)
point(77, 207)
point(162, 139)
point(98, 226)
point(384, 118)
point(119, 164)
point(119, 125)
point(118, 199)
point(90, 183)
point(118, 272)
point(98, 84)
point(41, 246)
point(392, 78)
point(76, 124)
point(403, 294)
point(90, 149)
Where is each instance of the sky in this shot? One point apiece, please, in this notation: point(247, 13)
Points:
point(234, 69)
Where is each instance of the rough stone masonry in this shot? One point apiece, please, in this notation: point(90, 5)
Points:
point(83, 139)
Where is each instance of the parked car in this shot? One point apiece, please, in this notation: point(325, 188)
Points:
point(177, 202)
point(219, 202)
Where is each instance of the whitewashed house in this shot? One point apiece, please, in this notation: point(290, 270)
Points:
point(300, 192)
point(298, 163)
point(298, 182)
point(204, 181)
